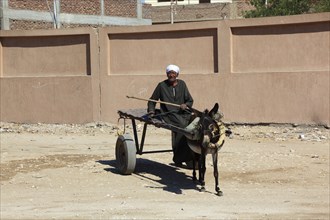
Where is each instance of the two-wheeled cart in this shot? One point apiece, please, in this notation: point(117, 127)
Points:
point(127, 147)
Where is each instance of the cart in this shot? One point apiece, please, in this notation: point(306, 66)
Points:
point(127, 147)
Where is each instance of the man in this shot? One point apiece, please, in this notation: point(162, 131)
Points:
point(175, 91)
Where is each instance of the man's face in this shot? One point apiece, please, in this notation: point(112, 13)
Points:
point(172, 76)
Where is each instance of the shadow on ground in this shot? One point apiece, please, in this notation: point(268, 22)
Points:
point(170, 178)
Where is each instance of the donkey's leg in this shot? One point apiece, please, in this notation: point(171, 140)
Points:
point(216, 173)
point(202, 170)
point(195, 157)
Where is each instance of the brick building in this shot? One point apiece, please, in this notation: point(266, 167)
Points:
point(41, 14)
point(183, 2)
point(200, 12)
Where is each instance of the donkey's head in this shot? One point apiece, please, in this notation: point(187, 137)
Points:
point(206, 127)
point(209, 126)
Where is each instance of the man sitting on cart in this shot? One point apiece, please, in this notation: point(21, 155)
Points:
point(173, 90)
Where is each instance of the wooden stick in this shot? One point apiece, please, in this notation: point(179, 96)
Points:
point(152, 100)
point(194, 111)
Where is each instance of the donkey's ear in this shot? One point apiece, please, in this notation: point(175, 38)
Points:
point(214, 109)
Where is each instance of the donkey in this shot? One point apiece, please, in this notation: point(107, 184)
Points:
point(209, 137)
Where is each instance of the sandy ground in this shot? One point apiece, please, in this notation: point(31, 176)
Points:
point(69, 172)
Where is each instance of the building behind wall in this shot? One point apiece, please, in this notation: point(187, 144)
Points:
point(183, 2)
point(191, 11)
point(39, 14)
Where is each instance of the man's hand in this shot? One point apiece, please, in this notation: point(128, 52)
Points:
point(183, 106)
point(151, 114)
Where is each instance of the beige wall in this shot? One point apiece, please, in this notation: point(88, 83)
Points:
point(38, 54)
point(146, 50)
point(266, 70)
point(46, 99)
point(288, 47)
point(49, 76)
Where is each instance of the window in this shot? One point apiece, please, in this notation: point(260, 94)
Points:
point(204, 1)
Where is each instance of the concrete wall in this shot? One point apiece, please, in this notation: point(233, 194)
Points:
point(49, 76)
point(266, 70)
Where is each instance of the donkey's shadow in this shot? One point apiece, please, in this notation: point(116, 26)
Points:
point(169, 178)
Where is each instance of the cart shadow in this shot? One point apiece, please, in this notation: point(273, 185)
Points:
point(169, 178)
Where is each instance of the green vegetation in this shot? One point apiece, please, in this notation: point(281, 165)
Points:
point(322, 6)
point(265, 8)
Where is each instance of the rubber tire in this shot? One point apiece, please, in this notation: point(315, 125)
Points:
point(125, 154)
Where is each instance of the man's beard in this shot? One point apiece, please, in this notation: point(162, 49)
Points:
point(172, 79)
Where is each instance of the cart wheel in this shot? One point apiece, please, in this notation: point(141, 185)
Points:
point(125, 154)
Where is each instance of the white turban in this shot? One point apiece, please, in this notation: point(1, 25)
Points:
point(172, 67)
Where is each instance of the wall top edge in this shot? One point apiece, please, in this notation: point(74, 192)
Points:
point(49, 32)
point(251, 74)
point(57, 77)
point(279, 20)
point(163, 27)
point(162, 74)
point(183, 75)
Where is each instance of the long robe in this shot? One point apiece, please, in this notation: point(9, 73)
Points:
point(178, 94)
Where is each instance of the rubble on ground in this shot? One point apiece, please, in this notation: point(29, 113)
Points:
point(281, 132)
point(55, 129)
point(275, 132)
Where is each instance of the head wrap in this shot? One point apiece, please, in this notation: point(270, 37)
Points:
point(172, 67)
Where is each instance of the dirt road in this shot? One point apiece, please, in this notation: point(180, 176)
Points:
point(69, 172)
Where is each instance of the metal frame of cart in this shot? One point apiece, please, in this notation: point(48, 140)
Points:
point(127, 147)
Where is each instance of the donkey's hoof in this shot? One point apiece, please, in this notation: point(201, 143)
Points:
point(202, 189)
point(219, 193)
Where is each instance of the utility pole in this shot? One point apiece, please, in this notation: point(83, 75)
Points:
point(173, 10)
point(57, 12)
point(102, 11)
point(139, 9)
point(102, 7)
point(5, 23)
point(233, 10)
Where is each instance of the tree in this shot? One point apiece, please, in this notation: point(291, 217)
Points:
point(265, 8)
point(322, 6)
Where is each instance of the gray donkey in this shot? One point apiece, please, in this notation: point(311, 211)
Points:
point(209, 134)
